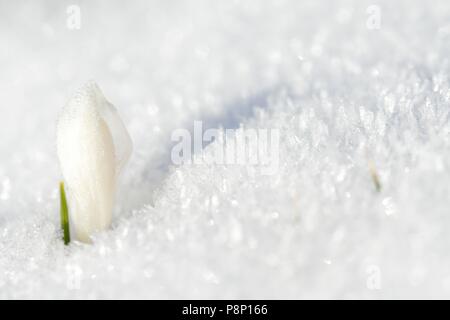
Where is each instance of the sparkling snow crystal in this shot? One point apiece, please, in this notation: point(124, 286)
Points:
point(357, 90)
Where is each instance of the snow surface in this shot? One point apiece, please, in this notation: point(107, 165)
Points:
point(342, 95)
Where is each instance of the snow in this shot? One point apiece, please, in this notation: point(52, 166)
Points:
point(345, 95)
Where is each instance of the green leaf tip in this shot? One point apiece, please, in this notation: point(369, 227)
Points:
point(64, 214)
point(374, 175)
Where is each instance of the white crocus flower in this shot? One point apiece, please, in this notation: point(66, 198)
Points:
point(93, 145)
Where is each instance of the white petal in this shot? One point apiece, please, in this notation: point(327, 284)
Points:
point(122, 141)
point(91, 155)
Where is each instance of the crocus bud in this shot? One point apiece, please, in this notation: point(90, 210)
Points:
point(93, 146)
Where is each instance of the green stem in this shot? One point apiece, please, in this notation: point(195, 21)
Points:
point(374, 175)
point(64, 214)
